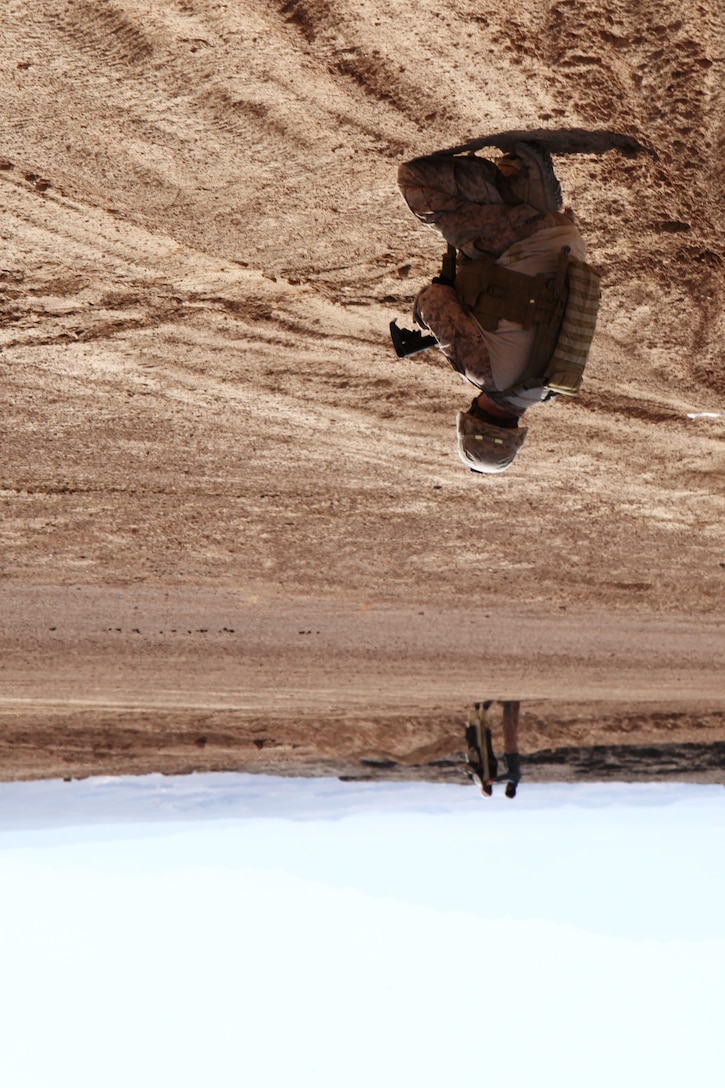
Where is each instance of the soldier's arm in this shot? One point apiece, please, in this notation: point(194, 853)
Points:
point(457, 332)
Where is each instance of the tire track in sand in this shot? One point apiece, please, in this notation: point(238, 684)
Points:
point(107, 30)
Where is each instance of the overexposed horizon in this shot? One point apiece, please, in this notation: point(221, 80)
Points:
point(237, 929)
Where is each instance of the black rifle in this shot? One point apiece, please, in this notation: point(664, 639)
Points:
point(409, 341)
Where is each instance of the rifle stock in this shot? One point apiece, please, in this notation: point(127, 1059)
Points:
point(409, 341)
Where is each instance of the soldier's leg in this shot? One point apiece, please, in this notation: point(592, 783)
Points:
point(511, 727)
point(447, 180)
point(461, 197)
point(512, 758)
point(440, 190)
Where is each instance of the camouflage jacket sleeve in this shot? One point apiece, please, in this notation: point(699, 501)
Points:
point(457, 332)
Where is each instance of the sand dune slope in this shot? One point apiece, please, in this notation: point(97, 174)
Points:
point(202, 249)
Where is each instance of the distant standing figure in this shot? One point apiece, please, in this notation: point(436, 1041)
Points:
point(481, 762)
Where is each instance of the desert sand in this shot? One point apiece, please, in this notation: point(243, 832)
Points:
point(235, 531)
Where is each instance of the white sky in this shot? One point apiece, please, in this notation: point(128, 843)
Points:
point(233, 930)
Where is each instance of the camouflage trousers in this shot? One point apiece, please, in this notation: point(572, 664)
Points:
point(459, 196)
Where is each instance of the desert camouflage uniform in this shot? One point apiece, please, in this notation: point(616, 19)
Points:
point(460, 198)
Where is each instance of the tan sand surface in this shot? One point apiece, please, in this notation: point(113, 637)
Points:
point(228, 511)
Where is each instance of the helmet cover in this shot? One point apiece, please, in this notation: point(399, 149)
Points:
point(485, 447)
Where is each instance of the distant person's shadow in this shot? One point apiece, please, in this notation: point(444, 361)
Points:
point(559, 141)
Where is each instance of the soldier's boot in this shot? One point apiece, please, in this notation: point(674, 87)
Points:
point(529, 177)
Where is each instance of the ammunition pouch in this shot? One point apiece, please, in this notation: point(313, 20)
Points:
point(563, 307)
point(491, 292)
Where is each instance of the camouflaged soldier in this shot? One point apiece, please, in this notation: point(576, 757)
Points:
point(515, 307)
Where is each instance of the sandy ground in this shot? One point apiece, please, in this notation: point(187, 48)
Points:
point(228, 511)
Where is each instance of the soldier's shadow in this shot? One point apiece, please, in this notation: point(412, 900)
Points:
point(559, 141)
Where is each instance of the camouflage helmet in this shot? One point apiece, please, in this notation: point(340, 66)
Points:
point(485, 447)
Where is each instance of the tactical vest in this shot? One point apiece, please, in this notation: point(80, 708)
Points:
point(563, 307)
